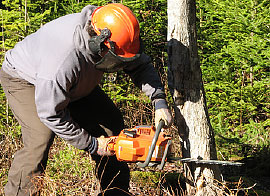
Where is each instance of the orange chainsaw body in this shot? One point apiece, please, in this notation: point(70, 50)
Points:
point(133, 145)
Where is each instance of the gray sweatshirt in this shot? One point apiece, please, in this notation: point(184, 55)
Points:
point(57, 60)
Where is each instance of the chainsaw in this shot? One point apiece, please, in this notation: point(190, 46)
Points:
point(147, 147)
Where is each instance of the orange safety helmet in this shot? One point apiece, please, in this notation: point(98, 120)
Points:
point(123, 25)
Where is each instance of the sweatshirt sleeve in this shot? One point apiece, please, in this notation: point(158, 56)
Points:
point(144, 76)
point(51, 101)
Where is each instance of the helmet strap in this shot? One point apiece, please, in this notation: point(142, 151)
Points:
point(96, 43)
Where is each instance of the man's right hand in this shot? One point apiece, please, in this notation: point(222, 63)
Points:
point(103, 149)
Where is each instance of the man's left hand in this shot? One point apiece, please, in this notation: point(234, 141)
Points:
point(163, 114)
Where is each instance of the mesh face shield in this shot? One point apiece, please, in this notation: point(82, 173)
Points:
point(110, 62)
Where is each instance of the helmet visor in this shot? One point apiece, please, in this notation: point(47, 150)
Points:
point(111, 62)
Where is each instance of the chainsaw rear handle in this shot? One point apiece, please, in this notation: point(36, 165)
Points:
point(153, 145)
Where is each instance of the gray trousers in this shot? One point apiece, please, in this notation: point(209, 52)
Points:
point(92, 112)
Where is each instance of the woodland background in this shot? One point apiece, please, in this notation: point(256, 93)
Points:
point(233, 43)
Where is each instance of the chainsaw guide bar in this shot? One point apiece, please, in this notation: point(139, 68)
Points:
point(201, 161)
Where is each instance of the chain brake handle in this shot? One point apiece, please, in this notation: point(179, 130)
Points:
point(152, 148)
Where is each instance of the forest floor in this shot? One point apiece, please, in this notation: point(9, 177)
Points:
point(245, 180)
point(70, 172)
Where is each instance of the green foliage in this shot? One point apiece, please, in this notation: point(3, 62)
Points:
point(151, 178)
point(2, 106)
point(234, 49)
point(152, 16)
point(71, 160)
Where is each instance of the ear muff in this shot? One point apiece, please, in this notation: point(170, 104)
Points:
point(96, 43)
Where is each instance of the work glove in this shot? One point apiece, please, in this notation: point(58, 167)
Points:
point(162, 113)
point(102, 146)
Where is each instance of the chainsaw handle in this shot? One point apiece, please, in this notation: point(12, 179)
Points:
point(111, 143)
point(153, 145)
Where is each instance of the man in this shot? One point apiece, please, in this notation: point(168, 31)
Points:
point(51, 82)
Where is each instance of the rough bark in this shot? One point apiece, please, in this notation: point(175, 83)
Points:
point(186, 86)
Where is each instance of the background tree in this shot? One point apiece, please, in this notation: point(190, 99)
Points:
point(185, 82)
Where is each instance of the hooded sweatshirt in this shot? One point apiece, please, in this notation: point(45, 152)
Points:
point(57, 60)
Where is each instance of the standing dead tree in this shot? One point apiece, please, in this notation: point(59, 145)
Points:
point(186, 86)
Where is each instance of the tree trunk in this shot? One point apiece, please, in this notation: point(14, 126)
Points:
point(186, 86)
